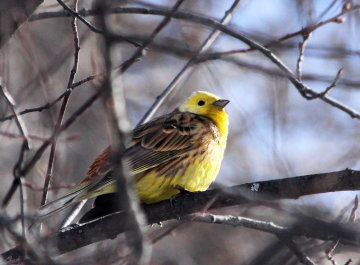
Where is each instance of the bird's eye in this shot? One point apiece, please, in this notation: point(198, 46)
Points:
point(201, 102)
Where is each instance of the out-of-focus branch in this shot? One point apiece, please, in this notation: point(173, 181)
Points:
point(192, 16)
point(302, 88)
point(23, 171)
point(201, 58)
point(18, 120)
point(186, 69)
point(24, 147)
point(75, 14)
point(59, 98)
point(76, 236)
point(38, 138)
point(119, 128)
point(12, 14)
point(285, 234)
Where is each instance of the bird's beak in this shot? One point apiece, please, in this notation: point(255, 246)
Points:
point(221, 103)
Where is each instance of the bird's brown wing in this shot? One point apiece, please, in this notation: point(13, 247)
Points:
point(164, 139)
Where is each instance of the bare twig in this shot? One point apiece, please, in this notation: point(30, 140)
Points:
point(88, 24)
point(187, 15)
point(303, 89)
point(332, 85)
point(302, 45)
point(63, 107)
point(38, 138)
point(51, 104)
point(283, 233)
point(191, 17)
point(29, 165)
point(184, 52)
point(327, 9)
point(19, 122)
point(311, 28)
point(22, 211)
point(25, 146)
point(185, 70)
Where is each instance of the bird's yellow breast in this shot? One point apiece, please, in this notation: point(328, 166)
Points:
point(197, 173)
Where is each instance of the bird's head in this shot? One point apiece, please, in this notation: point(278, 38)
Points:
point(208, 105)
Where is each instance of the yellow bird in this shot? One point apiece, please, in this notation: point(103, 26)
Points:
point(182, 149)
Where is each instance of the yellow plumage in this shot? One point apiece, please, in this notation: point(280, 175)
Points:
point(181, 149)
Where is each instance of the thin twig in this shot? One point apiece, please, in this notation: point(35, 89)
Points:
point(303, 89)
point(333, 84)
point(25, 146)
point(35, 158)
point(58, 99)
point(327, 9)
point(88, 24)
point(63, 107)
point(22, 212)
point(186, 15)
point(38, 138)
point(283, 233)
point(302, 45)
point(186, 69)
point(19, 122)
point(194, 18)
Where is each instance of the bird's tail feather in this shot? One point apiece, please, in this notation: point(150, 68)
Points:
point(61, 203)
point(56, 206)
point(78, 193)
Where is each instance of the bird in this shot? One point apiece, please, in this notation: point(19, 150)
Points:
point(178, 151)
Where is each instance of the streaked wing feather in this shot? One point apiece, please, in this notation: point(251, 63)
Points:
point(162, 140)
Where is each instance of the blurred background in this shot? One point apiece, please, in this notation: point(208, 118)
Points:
point(274, 131)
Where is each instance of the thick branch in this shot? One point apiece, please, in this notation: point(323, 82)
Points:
point(76, 236)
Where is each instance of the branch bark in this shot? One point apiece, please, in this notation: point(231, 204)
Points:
point(108, 227)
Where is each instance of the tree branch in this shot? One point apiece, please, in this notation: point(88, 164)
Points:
point(76, 236)
point(185, 70)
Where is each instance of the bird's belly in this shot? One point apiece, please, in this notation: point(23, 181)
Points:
point(198, 174)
